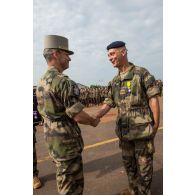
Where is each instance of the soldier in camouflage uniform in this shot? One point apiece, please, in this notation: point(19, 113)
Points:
point(134, 92)
point(36, 120)
point(86, 97)
point(59, 105)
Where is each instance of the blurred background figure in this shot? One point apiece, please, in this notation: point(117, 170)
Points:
point(36, 120)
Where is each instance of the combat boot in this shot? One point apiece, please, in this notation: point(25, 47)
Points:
point(127, 192)
point(36, 182)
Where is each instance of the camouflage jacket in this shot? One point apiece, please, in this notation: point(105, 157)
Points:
point(131, 96)
point(58, 103)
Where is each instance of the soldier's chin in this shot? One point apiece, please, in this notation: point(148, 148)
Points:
point(66, 67)
point(115, 65)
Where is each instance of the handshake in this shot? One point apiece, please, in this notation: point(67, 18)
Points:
point(91, 119)
point(96, 117)
point(95, 120)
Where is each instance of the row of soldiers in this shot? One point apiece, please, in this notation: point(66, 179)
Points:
point(90, 96)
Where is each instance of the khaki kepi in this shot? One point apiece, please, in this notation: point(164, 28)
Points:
point(57, 42)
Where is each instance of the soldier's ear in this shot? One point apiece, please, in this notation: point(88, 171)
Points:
point(124, 51)
point(56, 54)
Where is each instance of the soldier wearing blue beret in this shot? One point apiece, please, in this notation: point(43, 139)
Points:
point(134, 92)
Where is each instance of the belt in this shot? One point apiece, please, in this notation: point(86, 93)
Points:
point(62, 118)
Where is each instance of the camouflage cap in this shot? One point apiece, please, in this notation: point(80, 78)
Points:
point(57, 42)
point(115, 44)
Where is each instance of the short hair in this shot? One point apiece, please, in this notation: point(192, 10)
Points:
point(47, 53)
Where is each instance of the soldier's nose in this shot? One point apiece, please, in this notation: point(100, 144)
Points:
point(69, 59)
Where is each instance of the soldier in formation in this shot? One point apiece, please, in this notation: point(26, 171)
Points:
point(135, 93)
point(93, 96)
point(60, 106)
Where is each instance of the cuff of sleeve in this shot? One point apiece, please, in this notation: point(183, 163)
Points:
point(109, 102)
point(153, 91)
point(74, 109)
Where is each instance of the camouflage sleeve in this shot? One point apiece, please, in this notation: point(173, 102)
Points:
point(70, 93)
point(109, 100)
point(150, 84)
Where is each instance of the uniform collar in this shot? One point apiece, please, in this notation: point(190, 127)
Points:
point(129, 74)
point(53, 68)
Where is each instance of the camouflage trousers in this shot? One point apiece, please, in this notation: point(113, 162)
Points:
point(137, 158)
point(35, 170)
point(66, 155)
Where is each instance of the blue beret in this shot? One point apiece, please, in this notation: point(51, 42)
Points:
point(115, 44)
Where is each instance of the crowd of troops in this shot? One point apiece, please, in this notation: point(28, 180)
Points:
point(90, 96)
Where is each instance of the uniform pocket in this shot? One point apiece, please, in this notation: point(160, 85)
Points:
point(122, 128)
point(140, 127)
point(140, 119)
point(63, 141)
point(64, 148)
point(117, 129)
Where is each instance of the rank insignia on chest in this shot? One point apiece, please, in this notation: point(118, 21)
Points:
point(128, 84)
point(127, 87)
point(123, 91)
